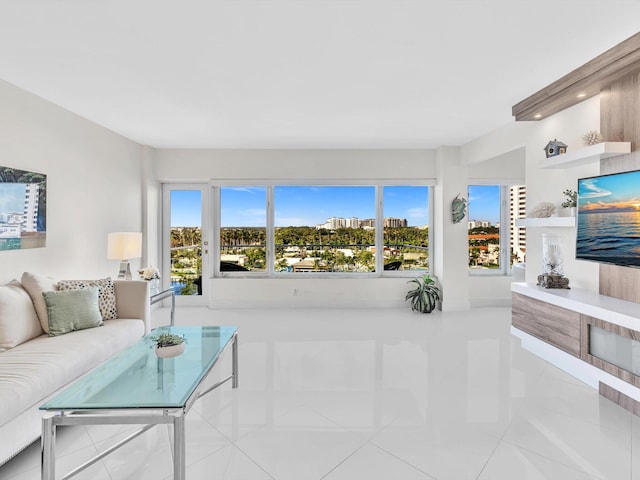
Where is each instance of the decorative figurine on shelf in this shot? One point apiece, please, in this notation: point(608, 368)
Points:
point(592, 137)
point(458, 209)
point(554, 148)
point(553, 281)
point(542, 210)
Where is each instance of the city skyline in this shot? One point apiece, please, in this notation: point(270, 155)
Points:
point(313, 205)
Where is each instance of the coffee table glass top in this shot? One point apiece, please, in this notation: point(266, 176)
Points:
point(137, 378)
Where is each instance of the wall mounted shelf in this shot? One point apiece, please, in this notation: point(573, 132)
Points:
point(586, 155)
point(546, 222)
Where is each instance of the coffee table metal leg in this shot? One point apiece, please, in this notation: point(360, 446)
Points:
point(234, 361)
point(179, 464)
point(173, 307)
point(48, 448)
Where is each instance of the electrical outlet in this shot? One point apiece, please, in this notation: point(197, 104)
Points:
point(295, 291)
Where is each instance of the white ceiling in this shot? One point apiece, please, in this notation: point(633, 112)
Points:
point(301, 73)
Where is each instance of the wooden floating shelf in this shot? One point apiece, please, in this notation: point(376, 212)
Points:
point(546, 222)
point(587, 155)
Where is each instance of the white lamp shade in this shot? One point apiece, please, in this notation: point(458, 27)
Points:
point(124, 245)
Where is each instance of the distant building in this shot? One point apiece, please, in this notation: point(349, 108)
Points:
point(334, 223)
point(478, 224)
point(368, 223)
point(518, 209)
point(395, 222)
point(30, 221)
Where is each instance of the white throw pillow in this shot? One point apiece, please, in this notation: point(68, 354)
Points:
point(36, 285)
point(18, 319)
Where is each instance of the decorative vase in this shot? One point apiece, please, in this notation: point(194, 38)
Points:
point(552, 262)
point(170, 351)
point(154, 286)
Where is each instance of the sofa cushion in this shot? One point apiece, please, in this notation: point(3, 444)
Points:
point(106, 294)
point(18, 319)
point(32, 371)
point(35, 285)
point(72, 310)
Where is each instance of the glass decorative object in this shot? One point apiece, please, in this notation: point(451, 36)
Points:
point(154, 286)
point(552, 263)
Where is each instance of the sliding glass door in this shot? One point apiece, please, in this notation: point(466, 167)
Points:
point(185, 242)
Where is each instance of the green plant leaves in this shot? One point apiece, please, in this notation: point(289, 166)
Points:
point(425, 295)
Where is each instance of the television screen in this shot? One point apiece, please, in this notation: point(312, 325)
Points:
point(609, 219)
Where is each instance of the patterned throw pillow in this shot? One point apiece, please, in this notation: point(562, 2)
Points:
point(106, 294)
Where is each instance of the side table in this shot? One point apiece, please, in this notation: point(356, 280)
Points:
point(161, 295)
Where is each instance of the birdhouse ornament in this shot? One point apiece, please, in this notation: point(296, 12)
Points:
point(554, 148)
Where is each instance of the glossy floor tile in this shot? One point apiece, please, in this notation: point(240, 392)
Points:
point(373, 394)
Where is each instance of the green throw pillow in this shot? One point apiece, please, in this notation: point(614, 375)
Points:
point(72, 310)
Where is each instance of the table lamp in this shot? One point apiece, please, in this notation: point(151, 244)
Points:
point(123, 246)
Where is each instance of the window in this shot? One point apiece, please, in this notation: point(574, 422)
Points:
point(243, 229)
point(406, 227)
point(493, 246)
point(185, 239)
point(325, 228)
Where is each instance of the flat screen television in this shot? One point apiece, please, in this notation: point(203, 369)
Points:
point(609, 219)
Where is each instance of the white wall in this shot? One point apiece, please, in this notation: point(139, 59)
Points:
point(100, 182)
point(546, 184)
point(174, 165)
point(202, 165)
point(93, 185)
point(445, 166)
point(451, 249)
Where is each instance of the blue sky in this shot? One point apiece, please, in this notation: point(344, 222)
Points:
point(305, 205)
point(484, 203)
point(12, 197)
point(609, 193)
point(186, 208)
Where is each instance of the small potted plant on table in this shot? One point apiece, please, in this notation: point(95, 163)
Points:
point(168, 345)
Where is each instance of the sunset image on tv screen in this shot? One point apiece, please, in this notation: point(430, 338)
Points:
point(609, 219)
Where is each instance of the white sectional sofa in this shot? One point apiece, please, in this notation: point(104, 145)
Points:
point(35, 365)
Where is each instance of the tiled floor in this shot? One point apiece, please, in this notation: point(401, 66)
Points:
point(376, 395)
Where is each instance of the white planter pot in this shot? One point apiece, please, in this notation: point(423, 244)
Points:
point(171, 351)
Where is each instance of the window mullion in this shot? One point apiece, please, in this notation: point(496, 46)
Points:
point(379, 236)
point(270, 247)
point(214, 261)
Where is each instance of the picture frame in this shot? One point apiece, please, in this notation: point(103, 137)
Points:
point(23, 209)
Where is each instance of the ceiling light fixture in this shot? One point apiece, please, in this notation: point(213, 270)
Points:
point(537, 115)
point(581, 95)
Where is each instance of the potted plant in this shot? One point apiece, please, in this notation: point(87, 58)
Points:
point(425, 295)
point(570, 201)
point(169, 345)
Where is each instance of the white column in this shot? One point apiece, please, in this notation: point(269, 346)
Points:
point(450, 249)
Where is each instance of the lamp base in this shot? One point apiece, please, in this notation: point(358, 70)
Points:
point(125, 270)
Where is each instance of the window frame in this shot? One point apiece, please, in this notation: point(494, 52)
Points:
point(505, 231)
point(270, 184)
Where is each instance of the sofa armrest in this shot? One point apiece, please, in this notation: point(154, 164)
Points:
point(132, 301)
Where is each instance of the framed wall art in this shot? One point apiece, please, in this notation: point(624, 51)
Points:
point(23, 209)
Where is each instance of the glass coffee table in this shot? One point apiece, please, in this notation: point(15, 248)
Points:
point(138, 388)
